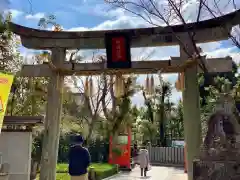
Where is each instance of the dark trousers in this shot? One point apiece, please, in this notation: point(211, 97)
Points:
point(144, 171)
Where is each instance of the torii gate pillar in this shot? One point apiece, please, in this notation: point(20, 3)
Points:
point(53, 119)
point(191, 111)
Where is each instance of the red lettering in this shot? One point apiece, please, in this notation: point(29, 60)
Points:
point(3, 81)
point(118, 49)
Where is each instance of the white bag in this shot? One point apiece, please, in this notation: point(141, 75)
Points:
point(149, 167)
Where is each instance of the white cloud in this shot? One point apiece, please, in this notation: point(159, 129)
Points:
point(15, 13)
point(36, 16)
point(79, 29)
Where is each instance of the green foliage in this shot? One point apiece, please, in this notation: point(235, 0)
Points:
point(122, 114)
point(63, 167)
point(102, 170)
point(117, 151)
point(175, 123)
point(10, 59)
point(209, 79)
point(4, 28)
point(147, 130)
point(221, 85)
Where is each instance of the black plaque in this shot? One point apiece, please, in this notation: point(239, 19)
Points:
point(118, 50)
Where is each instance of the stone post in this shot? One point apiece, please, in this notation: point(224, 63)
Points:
point(53, 119)
point(191, 111)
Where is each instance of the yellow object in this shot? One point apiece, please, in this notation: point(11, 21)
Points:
point(6, 81)
point(57, 28)
point(119, 85)
point(179, 85)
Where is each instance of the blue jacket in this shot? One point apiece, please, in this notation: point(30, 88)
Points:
point(79, 160)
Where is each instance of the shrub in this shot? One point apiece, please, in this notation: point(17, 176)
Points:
point(101, 170)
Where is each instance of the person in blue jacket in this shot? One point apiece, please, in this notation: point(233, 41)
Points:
point(79, 160)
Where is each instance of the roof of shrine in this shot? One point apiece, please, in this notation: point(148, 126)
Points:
point(230, 19)
point(23, 120)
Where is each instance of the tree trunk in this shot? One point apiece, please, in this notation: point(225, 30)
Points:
point(90, 132)
point(161, 124)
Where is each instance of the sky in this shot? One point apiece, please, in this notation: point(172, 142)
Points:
point(81, 15)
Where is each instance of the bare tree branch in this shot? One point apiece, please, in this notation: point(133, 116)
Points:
point(149, 10)
point(225, 29)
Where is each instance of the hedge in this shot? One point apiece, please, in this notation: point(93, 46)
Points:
point(102, 170)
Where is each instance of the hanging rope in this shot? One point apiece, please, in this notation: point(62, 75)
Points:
point(180, 83)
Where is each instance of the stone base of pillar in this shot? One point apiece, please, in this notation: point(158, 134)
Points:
point(4, 171)
point(216, 170)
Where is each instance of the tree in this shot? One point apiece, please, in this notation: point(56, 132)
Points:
point(119, 116)
point(21, 100)
point(176, 122)
point(91, 106)
point(158, 106)
point(88, 111)
point(209, 79)
point(10, 60)
point(26, 97)
point(146, 130)
point(163, 91)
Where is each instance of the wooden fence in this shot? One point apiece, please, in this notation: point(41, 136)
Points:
point(173, 156)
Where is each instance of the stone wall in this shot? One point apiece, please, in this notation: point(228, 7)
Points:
point(16, 150)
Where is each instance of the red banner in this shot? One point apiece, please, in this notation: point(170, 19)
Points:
point(118, 49)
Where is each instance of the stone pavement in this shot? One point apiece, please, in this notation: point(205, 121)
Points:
point(156, 173)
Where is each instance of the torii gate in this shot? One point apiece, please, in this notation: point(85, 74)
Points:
point(58, 42)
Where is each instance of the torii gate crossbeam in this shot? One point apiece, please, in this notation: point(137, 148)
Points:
point(175, 65)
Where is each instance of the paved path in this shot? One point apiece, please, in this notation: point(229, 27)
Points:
point(156, 173)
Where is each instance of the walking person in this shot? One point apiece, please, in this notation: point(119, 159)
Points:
point(79, 160)
point(143, 159)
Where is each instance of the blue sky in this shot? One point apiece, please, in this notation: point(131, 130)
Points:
point(95, 14)
point(69, 15)
point(77, 13)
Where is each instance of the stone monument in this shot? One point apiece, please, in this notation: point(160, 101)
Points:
point(220, 153)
